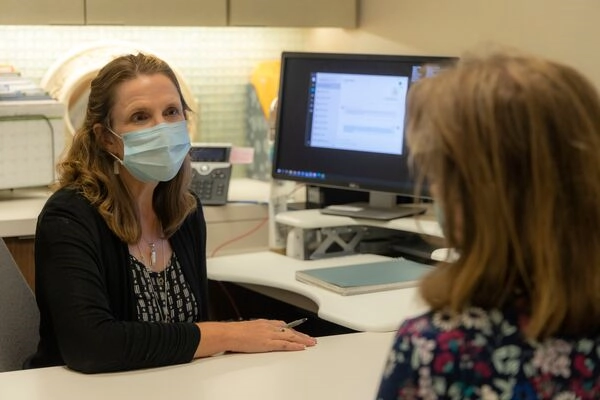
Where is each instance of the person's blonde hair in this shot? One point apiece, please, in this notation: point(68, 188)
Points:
point(88, 168)
point(512, 143)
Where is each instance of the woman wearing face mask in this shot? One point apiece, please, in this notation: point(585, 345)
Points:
point(120, 245)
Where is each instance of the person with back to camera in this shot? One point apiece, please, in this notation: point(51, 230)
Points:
point(510, 145)
point(120, 246)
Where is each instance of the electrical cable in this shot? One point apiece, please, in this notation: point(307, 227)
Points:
point(235, 239)
point(221, 284)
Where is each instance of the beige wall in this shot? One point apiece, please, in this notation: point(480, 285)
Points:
point(565, 30)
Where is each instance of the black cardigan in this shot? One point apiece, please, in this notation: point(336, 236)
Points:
point(85, 295)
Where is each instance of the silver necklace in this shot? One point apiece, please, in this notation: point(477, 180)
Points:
point(152, 246)
point(164, 307)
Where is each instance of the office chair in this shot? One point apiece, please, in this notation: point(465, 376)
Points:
point(19, 315)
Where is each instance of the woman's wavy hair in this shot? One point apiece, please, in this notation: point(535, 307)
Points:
point(512, 143)
point(88, 168)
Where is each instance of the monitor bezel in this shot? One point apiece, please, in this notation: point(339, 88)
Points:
point(405, 184)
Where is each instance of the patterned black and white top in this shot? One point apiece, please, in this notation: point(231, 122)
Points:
point(179, 305)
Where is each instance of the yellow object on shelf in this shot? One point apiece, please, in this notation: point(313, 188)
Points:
point(265, 79)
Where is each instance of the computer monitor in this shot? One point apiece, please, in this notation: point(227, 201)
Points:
point(340, 124)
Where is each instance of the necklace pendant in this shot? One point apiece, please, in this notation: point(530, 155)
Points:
point(152, 254)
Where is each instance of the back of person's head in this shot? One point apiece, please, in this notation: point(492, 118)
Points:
point(511, 143)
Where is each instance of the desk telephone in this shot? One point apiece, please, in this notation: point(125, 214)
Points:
point(211, 172)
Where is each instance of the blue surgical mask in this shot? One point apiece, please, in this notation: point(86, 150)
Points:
point(156, 153)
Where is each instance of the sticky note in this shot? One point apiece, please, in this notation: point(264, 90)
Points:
point(241, 155)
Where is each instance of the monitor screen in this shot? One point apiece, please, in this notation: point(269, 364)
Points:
point(341, 120)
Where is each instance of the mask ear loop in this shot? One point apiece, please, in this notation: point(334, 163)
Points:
point(116, 166)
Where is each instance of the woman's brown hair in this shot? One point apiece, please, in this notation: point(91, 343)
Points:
point(512, 144)
point(88, 168)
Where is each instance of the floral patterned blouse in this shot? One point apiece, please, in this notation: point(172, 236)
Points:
point(482, 355)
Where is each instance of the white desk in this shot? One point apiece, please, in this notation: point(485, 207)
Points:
point(312, 219)
point(237, 227)
point(273, 275)
point(371, 312)
point(20, 208)
point(339, 367)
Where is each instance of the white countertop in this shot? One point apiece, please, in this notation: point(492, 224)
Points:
point(19, 208)
point(345, 367)
point(311, 219)
point(370, 312)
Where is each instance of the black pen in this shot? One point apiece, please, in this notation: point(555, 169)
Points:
point(295, 323)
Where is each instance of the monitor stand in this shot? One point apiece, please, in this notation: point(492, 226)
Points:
point(381, 206)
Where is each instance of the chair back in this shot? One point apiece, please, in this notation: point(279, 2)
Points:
point(19, 315)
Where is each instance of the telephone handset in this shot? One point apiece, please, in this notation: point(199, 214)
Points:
point(211, 172)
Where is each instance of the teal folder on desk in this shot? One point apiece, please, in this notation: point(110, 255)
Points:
point(366, 278)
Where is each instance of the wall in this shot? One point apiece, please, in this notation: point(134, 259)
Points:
point(565, 30)
point(215, 62)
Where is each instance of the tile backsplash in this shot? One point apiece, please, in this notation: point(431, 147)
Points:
point(216, 63)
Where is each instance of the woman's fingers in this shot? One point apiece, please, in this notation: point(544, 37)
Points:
point(271, 335)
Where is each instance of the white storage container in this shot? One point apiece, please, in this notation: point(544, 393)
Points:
point(32, 139)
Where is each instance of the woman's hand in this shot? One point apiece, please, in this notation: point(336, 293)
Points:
point(256, 336)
